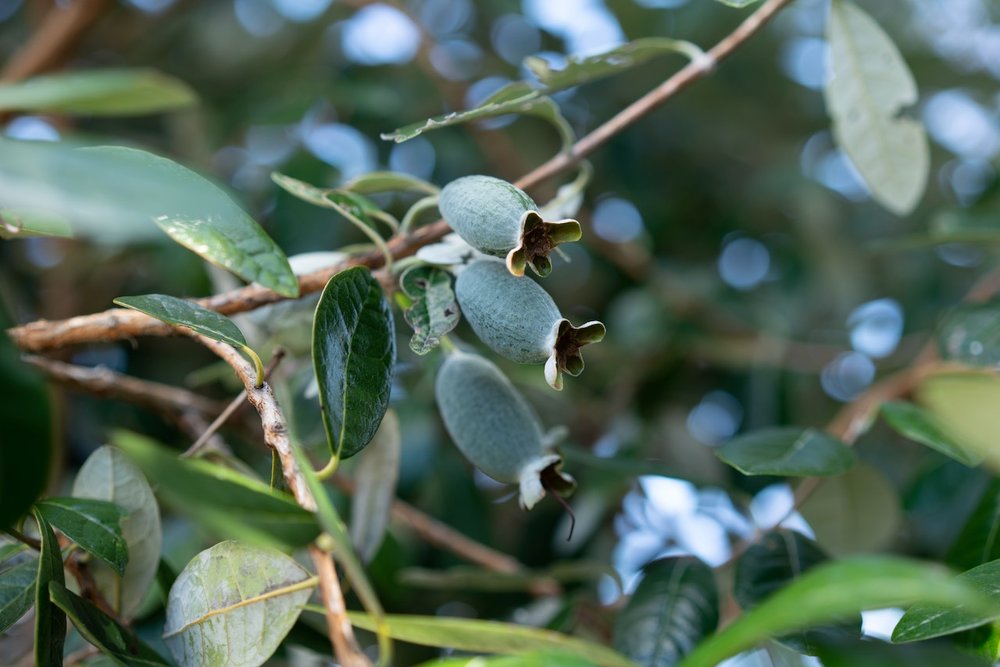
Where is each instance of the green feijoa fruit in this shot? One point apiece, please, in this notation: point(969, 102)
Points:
point(499, 219)
point(518, 320)
point(496, 429)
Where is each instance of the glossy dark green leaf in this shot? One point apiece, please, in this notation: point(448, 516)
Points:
point(190, 315)
point(388, 181)
point(833, 592)
point(26, 418)
point(874, 653)
point(17, 591)
point(104, 632)
point(970, 334)
point(675, 605)
point(107, 474)
point(433, 311)
point(768, 565)
point(868, 87)
point(857, 512)
point(50, 621)
point(354, 348)
point(93, 524)
point(514, 98)
point(478, 636)
point(375, 479)
point(925, 621)
point(788, 452)
point(226, 502)
point(106, 92)
point(578, 70)
point(913, 422)
point(979, 541)
point(233, 604)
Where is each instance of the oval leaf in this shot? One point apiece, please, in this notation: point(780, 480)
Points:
point(104, 632)
point(93, 524)
point(50, 622)
point(375, 477)
point(434, 311)
point(927, 620)
point(489, 637)
point(110, 92)
point(979, 541)
point(354, 348)
point(674, 606)
point(388, 181)
point(833, 592)
point(788, 452)
point(233, 604)
point(17, 591)
point(868, 88)
point(109, 475)
point(915, 423)
point(855, 512)
point(964, 406)
point(225, 501)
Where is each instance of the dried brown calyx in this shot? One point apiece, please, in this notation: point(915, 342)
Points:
point(539, 238)
point(568, 341)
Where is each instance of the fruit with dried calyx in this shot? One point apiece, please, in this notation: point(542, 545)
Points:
point(496, 218)
point(496, 429)
point(518, 320)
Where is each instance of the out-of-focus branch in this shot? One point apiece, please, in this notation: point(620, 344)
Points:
point(120, 324)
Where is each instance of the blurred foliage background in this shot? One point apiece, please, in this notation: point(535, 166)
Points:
point(745, 277)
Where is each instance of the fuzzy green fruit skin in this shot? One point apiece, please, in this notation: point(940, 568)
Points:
point(513, 316)
point(486, 212)
point(490, 422)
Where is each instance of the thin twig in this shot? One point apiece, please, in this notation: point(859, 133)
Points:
point(233, 406)
point(121, 324)
point(337, 623)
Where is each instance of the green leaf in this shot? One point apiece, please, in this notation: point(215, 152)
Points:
point(93, 524)
point(833, 592)
point(925, 621)
point(979, 541)
point(17, 591)
point(434, 311)
point(868, 653)
point(116, 194)
point(203, 321)
point(913, 422)
point(768, 565)
point(858, 511)
point(50, 622)
point(788, 452)
point(375, 478)
point(18, 224)
point(225, 501)
point(233, 604)
point(354, 348)
point(518, 97)
point(539, 659)
point(26, 418)
point(870, 85)
point(109, 92)
point(108, 475)
point(489, 637)
point(579, 70)
point(675, 605)
point(964, 406)
point(970, 334)
point(388, 181)
point(739, 4)
point(115, 640)
point(467, 578)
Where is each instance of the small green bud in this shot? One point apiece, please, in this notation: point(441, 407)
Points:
point(495, 428)
point(499, 219)
point(518, 320)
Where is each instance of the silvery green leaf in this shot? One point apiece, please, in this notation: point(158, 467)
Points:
point(233, 604)
point(868, 89)
point(375, 477)
point(108, 475)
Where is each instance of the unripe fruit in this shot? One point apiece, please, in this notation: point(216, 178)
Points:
point(499, 219)
point(518, 320)
point(495, 428)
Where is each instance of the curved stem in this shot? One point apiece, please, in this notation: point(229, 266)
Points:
point(419, 206)
point(257, 364)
